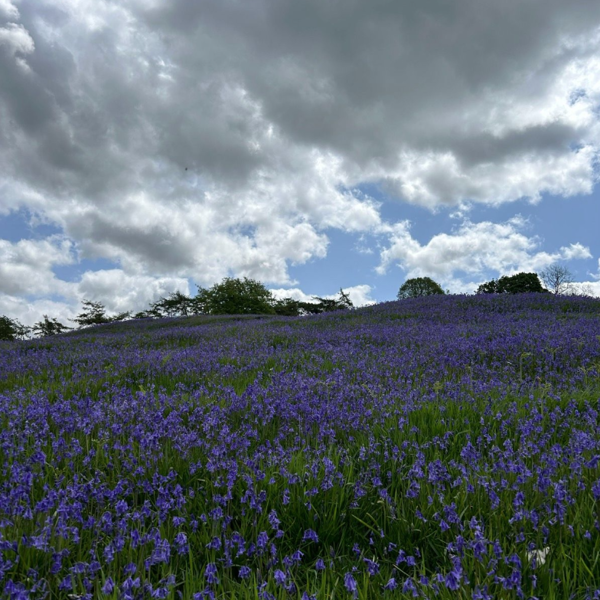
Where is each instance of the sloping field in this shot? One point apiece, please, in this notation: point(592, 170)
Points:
point(444, 447)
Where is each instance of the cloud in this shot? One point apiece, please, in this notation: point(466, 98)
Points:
point(201, 140)
point(471, 250)
point(26, 266)
point(360, 295)
point(33, 311)
point(16, 41)
point(8, 10)
point(120, 292)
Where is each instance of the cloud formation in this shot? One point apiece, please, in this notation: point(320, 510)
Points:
point(472, 249)
point(199, 140)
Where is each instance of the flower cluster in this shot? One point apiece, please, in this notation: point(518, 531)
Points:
point(428, 447)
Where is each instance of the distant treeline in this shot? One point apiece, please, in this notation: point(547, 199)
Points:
point(234, 296)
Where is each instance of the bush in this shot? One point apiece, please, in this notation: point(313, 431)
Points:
point(520, 283)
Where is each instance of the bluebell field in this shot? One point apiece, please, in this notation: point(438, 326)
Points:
point(442, 447)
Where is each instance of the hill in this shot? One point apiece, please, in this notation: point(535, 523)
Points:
point(436, 446)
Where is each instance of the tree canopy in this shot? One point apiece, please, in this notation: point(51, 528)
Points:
point(11, 329)
point(232, 296)
point(49, 327)
point(236, 297)
point(515, 284)
point(94, 313)
point(419, 286)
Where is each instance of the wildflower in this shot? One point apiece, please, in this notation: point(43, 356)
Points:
point(280, 577)
point(210, 573)
point(391, 584)
point(244, 572)
point(108, 587)
point(310, 535)
point(274, 520)
point(350, 584)
point(372, 566)
point(410, 587)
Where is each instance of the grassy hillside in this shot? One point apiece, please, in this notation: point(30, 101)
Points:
point(443, 447)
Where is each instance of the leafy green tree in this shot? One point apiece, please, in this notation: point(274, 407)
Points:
point(419, 286)
point(287, 307)
point(94, 313)
point(175, 304)
point(343, 302)
point(11, 329)
point(489, 287)
point(49, 327)
point(120, 316)
point(515, 284)
point(236, 297)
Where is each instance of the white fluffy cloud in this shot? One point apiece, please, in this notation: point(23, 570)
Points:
point(120, 292)
point(26, 266)
point(187, 140)
point(471, 250)
point(360, 295)
point(8, 10)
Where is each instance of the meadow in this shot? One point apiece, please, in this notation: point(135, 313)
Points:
point(442, 447)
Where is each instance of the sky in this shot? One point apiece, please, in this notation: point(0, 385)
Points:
point(151, 146)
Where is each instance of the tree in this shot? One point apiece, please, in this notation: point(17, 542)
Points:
point(331, 304)
point(11, 329)
point(175, 304)
point(557, 278)
point(49, 327)
point(236, 297)
point(515, 284)
point(94, 313)
point(287, 307)
point(419, 286)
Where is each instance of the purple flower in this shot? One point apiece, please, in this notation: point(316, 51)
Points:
point(210, 574)
point(66, 584)
point(181, 543)
point(372, 566)
point(214, 544)
point(280, 577)
point(310, 535)
point(410, 587)
point(262, 540)
point(273, 519)
point(244, 572)
point(391, 584)
point(350, 584)
point(452, 580)
point(108, 587)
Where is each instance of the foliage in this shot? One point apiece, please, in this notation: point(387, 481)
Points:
point(11, 329)
point(175, 304)
point(287, 307)
point(49, 327)
point(294, 308)
point(419, 286)
point(236, 297)
point(515, 284)
point(558, 279)
point(333, 304)
point(94, 313)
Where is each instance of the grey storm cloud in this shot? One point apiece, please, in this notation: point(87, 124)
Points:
point(223, 115)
